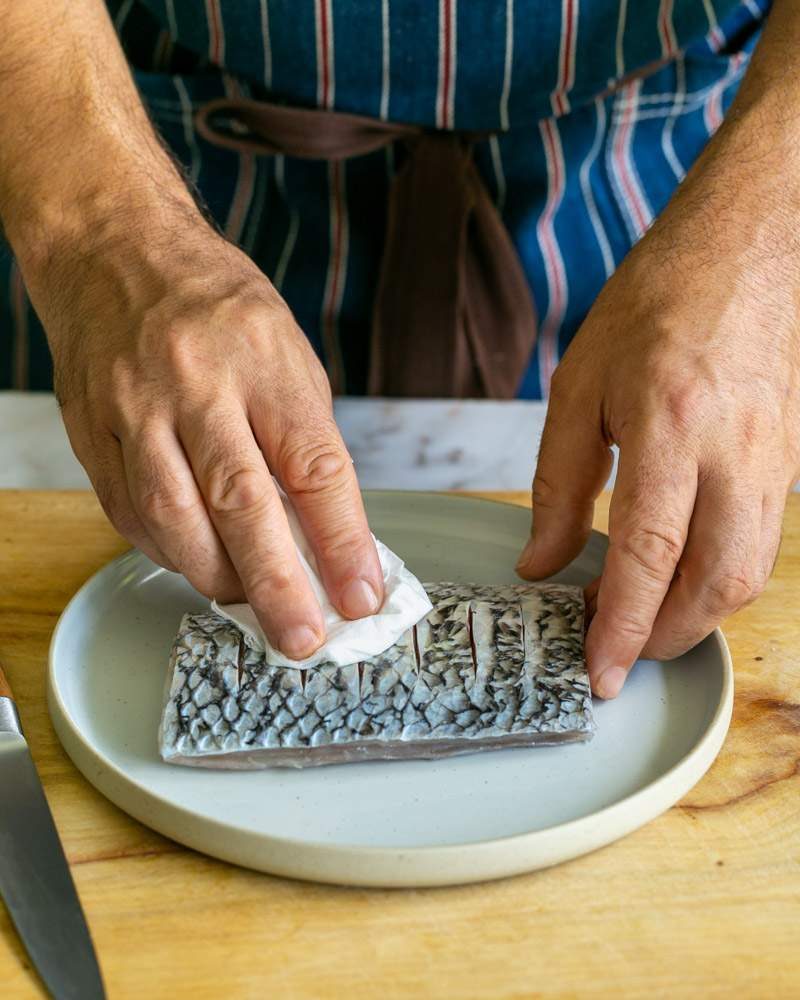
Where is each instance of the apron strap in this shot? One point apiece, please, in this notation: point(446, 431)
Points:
point(453, 315)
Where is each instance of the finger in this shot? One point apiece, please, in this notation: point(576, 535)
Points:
point(101, 456)
point(573, 466)
point(648, 522)
point(720, 570)
point(248, 515)
point(314, 468)
point(168, 502)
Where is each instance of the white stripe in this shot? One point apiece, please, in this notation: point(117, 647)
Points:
point(267, 43)
point(187, 120)
point(623, 14)
point(500, 177)
point(385, 80)
point(122, 15)
point(172, 20)
point(713, 25)
point(453, 45)
point(667, 98)
point(554, 269)
point(504, 124)
point(695, 104)
point(294, 225)
point(713, 112)
point(667, 143)
point(754, 9)
point(586, 188)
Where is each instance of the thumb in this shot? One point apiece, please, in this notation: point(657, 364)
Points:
point(573, 466)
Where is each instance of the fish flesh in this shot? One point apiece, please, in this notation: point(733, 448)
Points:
point(489, 667)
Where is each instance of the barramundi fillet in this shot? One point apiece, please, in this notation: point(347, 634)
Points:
point(489, 667)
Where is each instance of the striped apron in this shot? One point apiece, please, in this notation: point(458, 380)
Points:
point(592, 111)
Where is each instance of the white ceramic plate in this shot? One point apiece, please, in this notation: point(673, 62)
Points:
point(408, 823)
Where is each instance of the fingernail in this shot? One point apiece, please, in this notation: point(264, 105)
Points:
point(298, 642)
point(609, 683)
point(526, 556)
point(358, 599)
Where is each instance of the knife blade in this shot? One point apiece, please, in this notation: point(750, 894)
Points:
point(35, 880)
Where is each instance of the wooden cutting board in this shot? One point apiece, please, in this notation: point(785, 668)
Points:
point(703, 902)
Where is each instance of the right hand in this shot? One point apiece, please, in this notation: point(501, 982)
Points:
point(184, 382)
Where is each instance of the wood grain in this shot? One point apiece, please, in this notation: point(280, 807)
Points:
point(702, 902)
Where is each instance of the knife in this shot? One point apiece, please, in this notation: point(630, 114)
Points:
point(35, 880)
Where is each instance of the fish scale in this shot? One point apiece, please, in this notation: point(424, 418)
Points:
point(489, 667)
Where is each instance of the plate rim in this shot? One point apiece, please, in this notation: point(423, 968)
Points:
point(394, 863)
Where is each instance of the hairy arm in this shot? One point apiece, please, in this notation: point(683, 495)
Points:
point(184, 381)
point(78, 154)
point(690, 362)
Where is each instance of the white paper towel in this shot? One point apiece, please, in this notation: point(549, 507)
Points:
point(405, 603)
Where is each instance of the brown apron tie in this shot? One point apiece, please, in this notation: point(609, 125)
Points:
point(453, 313)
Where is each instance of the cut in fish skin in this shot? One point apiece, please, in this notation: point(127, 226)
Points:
point(489, 667)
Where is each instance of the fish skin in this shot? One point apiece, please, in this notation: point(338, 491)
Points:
point(427, 696)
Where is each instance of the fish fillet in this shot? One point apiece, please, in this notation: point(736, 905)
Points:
point(489, 667)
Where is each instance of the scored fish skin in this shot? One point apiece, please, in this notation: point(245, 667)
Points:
point(489, 667)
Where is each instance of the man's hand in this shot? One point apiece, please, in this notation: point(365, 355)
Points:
point(690, 362)
point(184, 382)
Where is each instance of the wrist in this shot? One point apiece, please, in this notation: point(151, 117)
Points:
point(103, 197)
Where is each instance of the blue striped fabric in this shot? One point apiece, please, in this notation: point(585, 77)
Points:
point(578, 172)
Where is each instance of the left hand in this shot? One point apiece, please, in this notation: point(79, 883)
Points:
point(690, 362)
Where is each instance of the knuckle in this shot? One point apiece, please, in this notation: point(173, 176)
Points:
point(232, 491)
point(631, 627)
point(655, 550)
point(265, 590)
point(181, 349)
point(544, 493)
point(683, 404)
point(163, 506)
point(340, 545)
point(117, 509)
point(728, 592)
point(314, 466)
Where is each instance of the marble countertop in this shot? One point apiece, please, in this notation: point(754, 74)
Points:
point(395, 444)
point(426, 444)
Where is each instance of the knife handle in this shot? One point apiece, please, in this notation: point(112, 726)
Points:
point(5, 687)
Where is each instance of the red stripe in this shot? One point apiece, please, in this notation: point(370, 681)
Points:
point(215, 31)
point(446, 54)
point(666, 29)
point(323, 32)
point(626, 178)
point(568, 28)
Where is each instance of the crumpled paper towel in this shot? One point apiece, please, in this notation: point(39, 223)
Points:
point(405, 603)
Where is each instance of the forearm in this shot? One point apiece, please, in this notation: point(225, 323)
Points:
point(746, 183)
point(77, 152)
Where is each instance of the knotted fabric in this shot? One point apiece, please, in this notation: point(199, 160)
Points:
point(453, 315)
